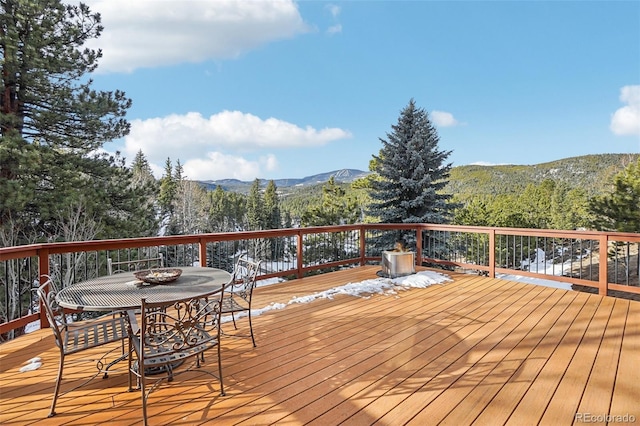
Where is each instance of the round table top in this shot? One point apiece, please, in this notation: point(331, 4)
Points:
point(123, 291)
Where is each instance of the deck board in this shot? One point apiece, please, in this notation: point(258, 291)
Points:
point(625, 394)
point(473, 351)
point(599, 388)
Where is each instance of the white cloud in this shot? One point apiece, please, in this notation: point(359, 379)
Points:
point(216, 165)
point(626, 120)
point(443, 119)
point(335, 29)
point(484, 163)
point(334, 10)
point(228, 129)
point(218, 146)
point(145, 33)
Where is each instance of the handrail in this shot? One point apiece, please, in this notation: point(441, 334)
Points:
point(488, 250)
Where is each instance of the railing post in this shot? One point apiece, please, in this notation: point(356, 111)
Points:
point(603, 265)
point(363, 245)
point(492, 253)
point(202, 252)
point(43, 275)
point(299, 253)
point(418, 259)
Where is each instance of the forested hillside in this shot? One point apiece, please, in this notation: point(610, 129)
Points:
point(593, 173)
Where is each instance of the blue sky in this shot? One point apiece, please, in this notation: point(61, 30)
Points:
point(282, 89)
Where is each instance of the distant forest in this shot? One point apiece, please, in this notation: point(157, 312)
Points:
point(593, 173)
point(554, 195)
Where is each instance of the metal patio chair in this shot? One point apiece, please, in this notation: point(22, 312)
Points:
point(75, 337)
point(239, 293)
point(170, 334)
point(119, 267)
point(115, 267)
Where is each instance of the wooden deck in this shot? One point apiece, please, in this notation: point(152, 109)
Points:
point(473, 351)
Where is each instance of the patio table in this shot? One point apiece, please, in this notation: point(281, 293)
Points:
point(122, 292)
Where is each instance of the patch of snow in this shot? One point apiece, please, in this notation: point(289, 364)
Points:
point(388, 286)
point(536, 281)
point(32, 364)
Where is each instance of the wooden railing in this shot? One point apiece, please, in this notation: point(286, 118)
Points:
point(571, 257)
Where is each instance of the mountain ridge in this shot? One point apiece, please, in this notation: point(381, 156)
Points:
point(341, 175)
point(592, 172)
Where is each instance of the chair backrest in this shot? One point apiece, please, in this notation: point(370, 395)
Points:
point(244, 278)
point(55, 314)
point(179, 329)
point(115, 267)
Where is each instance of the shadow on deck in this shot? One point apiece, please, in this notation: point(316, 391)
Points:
point(475, 349)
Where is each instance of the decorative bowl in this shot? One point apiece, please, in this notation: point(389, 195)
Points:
point(158, 276)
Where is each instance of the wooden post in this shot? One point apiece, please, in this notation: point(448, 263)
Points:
point(202, 250)
point(603, 265)
point(492, 253)
point(418, 259)
point(44, 274)
point(363, 245)
point(299, 253)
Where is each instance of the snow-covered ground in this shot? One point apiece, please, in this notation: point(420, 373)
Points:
point(543, 266)
point(537, 281)
point(386, 286)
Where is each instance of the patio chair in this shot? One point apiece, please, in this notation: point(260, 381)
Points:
point(169, 334)
point(75, 337)
point(239, 292)
point(115, 267)
point(118, 267)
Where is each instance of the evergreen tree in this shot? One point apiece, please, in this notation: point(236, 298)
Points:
point(145, 183)
point(255, 208)
point(142, 174)
point(167, 190)
point(336, 207)
point(533, 204)
point(273, 218)
point(52, 123)
point(569, 208)
point(619, 210)
point(218, 211)
point(237, 210)
point(412, 173)
point(476, 212)
point(172, 188)
point(287, 220)
point(257, 220)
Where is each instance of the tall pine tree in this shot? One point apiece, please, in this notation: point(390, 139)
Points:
point(52, 123)
point(143, 179)
point(255, 208)
point(273, 219)
point(411, 173)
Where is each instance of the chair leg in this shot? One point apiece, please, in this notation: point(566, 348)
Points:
point(56, 391)
point(220, 369)
point(130, 366)
point(253, 339)
point(144, 398)
point(233, 317)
